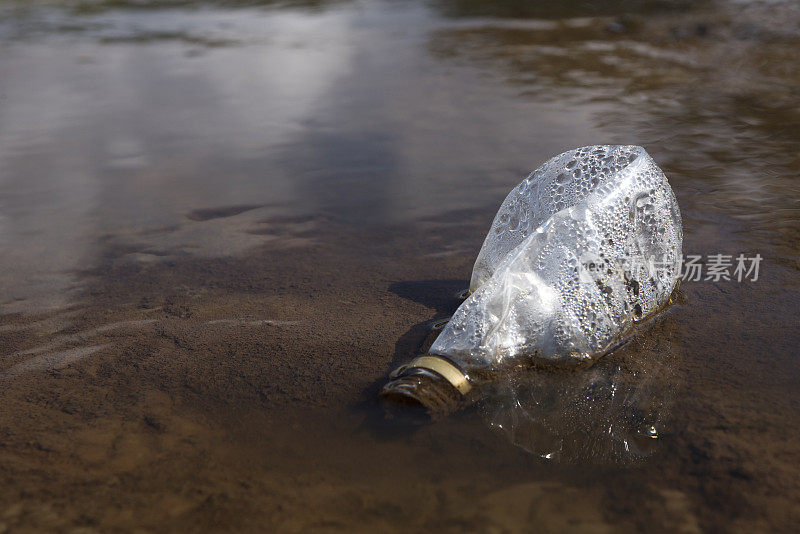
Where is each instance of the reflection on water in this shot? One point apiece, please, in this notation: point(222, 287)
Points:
point(554, 9)
point(117, 144)
point(112, 133)
point(207, 209)
point(612, 412)
point(714, 95)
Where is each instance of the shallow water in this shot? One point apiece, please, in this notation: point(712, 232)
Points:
point(223, 224)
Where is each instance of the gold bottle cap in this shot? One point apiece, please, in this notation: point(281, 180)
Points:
point(447, 370)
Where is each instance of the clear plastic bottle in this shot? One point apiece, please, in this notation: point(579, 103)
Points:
point(585, 246)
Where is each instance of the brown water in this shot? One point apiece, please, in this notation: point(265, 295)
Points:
point(223, 224)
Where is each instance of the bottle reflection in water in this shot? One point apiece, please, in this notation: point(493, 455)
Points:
point(613, 411)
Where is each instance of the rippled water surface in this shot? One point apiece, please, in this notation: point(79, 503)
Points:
point(223, 223)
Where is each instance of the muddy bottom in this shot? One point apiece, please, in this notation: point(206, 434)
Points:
point(222, 227)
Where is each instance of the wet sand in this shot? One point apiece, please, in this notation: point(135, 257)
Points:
point(233, 394)
point(199, 347)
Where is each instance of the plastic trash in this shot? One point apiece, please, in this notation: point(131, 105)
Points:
point(587, 245)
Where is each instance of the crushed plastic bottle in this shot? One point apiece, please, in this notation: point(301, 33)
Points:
point(584, 247)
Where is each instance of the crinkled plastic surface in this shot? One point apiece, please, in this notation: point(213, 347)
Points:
point(587, 244)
